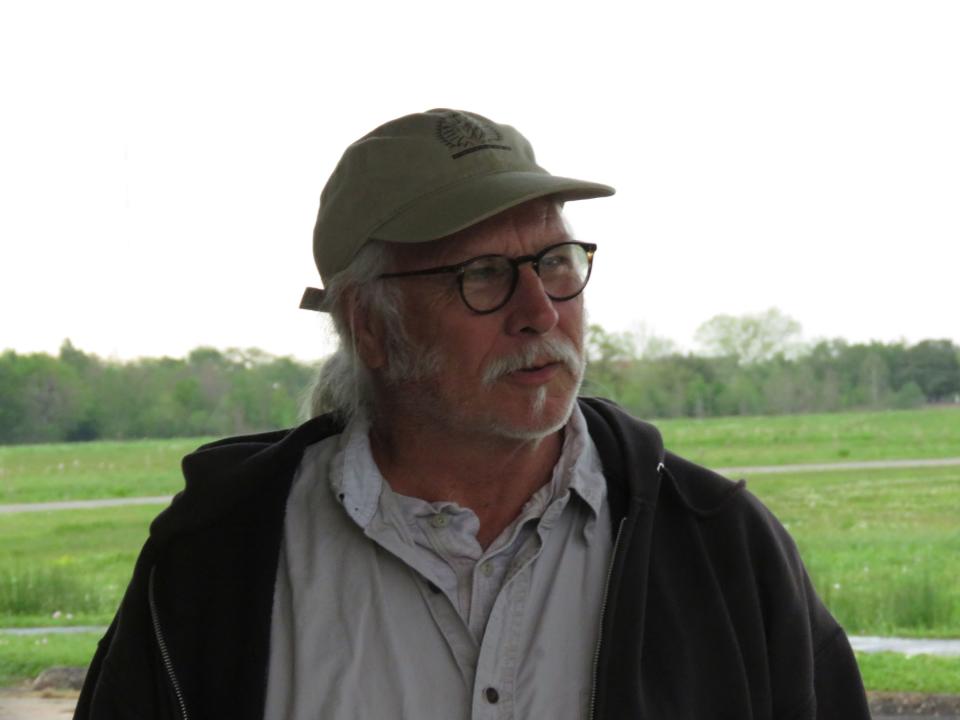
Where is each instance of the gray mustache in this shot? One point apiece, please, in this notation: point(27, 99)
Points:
point(544, 350)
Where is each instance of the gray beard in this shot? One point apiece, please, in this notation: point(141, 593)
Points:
point(419, 366)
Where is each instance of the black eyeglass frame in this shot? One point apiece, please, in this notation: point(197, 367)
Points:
point(515, 262)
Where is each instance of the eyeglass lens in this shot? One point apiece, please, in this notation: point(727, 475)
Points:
point(488, 282)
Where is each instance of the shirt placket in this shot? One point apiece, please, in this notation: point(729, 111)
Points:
point(494, 694)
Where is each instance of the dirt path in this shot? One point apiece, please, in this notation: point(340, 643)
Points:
point(26, 705)
point(906, 646)
point(729, 471)
point(820, 467)
point(867, 644)
point(82, 504)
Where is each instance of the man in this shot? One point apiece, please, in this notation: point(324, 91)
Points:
point(455, 534)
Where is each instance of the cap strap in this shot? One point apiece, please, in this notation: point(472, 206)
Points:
point(313, 299)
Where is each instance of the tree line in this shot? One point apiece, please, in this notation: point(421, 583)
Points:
point(80, 396)
point(748, 366)
point(756, 365)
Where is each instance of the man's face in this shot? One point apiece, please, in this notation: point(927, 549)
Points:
point(511, 373)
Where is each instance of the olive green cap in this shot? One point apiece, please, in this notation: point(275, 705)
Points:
point(423, 177)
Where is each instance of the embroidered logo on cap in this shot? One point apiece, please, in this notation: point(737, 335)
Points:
point(466, 135)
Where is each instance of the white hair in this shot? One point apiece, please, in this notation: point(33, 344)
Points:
point(344, 385)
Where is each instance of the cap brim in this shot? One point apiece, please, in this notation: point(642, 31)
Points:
point(466, 203)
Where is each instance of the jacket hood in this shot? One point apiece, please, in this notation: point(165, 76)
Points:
point(222, 475)
point(247, 474)
point(635, 464)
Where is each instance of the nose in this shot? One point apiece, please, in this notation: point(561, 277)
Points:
point(530, 310)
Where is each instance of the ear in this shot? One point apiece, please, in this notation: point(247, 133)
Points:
point(369, 338)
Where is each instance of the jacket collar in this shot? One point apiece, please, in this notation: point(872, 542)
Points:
point(228, 474)
point(635, 463)
point(244, 471)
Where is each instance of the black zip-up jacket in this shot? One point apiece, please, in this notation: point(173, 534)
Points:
point(708, 611)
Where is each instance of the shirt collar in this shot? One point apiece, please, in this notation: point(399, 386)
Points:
point(354, 476)
point(357, 483)
point(580, 461)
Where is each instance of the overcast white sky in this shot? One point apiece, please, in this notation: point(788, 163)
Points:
point(160, 163)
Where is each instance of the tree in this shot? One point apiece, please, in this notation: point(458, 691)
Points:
point(934, 367)
point(12, 411)
point(909, 396)
point(610, 356)
point(875, 379)
point(50, 396)
point(649, 345)
point(749, 338)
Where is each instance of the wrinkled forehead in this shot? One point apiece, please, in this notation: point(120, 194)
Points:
point(522, 230)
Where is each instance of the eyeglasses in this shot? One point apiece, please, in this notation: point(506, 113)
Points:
point(487, 282)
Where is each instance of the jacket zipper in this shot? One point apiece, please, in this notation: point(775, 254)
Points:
point(164, 653)
point(603, 612)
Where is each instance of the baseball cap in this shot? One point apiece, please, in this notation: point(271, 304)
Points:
point(422, 177)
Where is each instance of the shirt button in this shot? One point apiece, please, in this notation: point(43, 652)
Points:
point(492, 696)
point(439, 520)
point(487, 568)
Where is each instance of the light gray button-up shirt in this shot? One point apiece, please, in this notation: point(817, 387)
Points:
point(387, 606)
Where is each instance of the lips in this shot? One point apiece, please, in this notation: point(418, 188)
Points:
point(536, 374)
point(535, 368)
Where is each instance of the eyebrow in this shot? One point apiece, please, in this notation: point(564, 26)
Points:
point(561, 237)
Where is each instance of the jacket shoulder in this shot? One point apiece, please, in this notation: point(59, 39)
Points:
point(245, 454)
point(700, 489)
point(634, 458)
point(223, 476)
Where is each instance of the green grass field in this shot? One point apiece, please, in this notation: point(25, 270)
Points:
point(77, 471)
point(889, 672)
point(81, 471)
point(838, 437)
point(882, 546)
point(25, 657)
point(73, 564)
